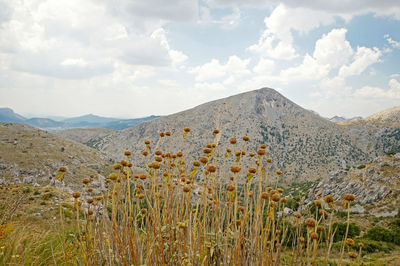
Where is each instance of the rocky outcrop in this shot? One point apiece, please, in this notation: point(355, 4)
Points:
point(370, 183)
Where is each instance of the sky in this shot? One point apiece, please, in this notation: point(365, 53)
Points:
point(132, 58)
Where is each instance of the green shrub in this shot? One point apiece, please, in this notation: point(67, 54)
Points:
point(371, 246)
point(47, 196)
point(26, 190)
point(379, 233)
point(361, 166)
point(354, 231)
point(36, 193)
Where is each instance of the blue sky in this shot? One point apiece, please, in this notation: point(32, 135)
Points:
point(136, 58)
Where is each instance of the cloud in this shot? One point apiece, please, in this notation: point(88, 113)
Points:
point(234, 67)
point(227, 22)
point(333, 49)
point(277, 39)
point(363, 58)
point(393, 43)
point(344, 8)
point(264, 66)
point(393, 93)
point(80, 40)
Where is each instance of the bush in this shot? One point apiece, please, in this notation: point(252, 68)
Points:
point(361, 166)
point(36, 193)
point(26, 190)
point(47, 196)
point(354, 231)
point(378, 233)
point(371, 246)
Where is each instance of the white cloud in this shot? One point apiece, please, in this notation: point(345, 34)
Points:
point(368, 92)
point(344, 8)
point(310, 69)
point(363, 58)
point(393, 43)
point(264, 66)
point(277, 39)
point(213, 69)
point(333, 49)
point(79, 40)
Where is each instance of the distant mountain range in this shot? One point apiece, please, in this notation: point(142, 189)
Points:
point(86, 121)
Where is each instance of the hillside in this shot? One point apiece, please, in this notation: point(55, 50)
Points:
point(377, 134)
point(32, 156)
point(304, 145)
point(376, 186)
point(84, 135)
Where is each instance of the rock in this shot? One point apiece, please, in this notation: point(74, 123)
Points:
point(385, 213)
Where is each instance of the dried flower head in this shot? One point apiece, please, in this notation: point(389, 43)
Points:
point(301, 239)
point(232, 141)
point(186, 189)
point(127, 153)
point(158, 153)
point(261, 152)
point(76, 195)
point(317, 203)
point(280, 190)
point(142, 176)
point(85, 181)
point(275, 197)
point(113, 176)
point(145, 153)
point(62, 169)
point(235, 169)
point(320, 228)
point(360, 244)
point(349, 197)
point(158, 159)
point(186, 129)
point(211, 168)
point(352, 255)
point(207, 150)
point(147, 142)
point(349, 242)
point(310, 222)
point(90, 189)
point(264, 195)
point(251, 154)
point(279, 172)
point(246, 138)
point(230, 187)
point(168, 133)
point(196, 163)
point(297, 215)
point(179, 154)
point(263, 146)
point(215, 131)
point(252, 170)
point(162, 134)
point(228, 150)
point(314, 236)
point(283, 200)
point(328, 199)
point(203, 160)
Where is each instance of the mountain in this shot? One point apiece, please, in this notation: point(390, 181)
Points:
point(391, 115)
point(86, 121)
point(8, 115)
point(30, 155)
point(304, 145)
point(338, 119)
point(377, 134)
point(89, 119)
point(44, 123)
